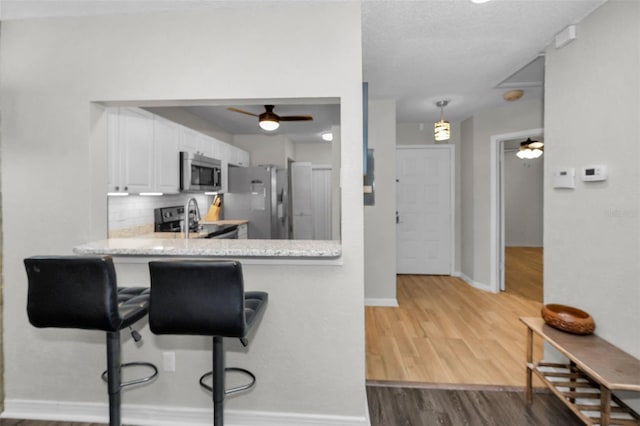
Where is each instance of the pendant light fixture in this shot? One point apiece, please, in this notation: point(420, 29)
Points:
point(530, 149)
point(442, 128)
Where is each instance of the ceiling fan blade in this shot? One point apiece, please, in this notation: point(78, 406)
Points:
point(296, 118)
point(242, 112)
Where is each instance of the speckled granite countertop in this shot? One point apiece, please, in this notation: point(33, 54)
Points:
point(213, 248)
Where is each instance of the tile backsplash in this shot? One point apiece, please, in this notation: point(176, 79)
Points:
point(136, 212)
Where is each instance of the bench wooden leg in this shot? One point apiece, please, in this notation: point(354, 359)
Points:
point(529, 386)
point(605, 405)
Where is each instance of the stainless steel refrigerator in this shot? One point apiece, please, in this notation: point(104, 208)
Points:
point(260, 195)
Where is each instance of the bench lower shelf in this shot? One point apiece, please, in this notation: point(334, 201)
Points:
point(585, 397)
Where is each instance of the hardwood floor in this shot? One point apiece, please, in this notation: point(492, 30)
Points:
point(445, 331)
point(523, 272)
point(405, 406)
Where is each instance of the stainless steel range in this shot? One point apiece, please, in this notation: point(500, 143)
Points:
point(171, 219)
point(168, 219)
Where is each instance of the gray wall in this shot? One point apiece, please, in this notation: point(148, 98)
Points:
point(379, 220)
point(51, 71)
point(266, 149)
point(476, 186)
point(592, 233)
point(523, 207)
point(316, 153)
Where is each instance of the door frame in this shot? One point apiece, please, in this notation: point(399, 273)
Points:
point(497, 202)
point(452, 195)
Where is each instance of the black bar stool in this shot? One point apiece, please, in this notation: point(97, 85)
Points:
point(81, 292)
point(206, 298)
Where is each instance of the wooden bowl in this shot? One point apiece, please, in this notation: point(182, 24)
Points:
point(569, 319)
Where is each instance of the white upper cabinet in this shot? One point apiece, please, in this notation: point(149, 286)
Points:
point(190, 140)
point(167, 160)
point(238, 157)
point(212, 147)
point(144, 152)
point(114, 162)
point(134, 152)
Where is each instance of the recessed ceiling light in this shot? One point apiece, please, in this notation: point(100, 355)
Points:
point(327, 136)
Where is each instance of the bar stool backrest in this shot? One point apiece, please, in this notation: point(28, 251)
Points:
point(72, 292)
point(197, 298)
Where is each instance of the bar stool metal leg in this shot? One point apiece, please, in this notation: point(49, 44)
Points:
point(218, 381)
point(113, 377)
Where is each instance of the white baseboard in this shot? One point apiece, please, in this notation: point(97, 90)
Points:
point(381, 302)
point(144, 415)
point(476, 284)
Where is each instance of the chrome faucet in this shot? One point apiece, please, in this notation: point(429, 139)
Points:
point(187, 217)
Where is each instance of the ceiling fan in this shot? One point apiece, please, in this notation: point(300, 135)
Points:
point(530, 149)
point(269, 120)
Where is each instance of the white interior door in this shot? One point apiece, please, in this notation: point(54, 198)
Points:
point(302, 201)
point(424, 210)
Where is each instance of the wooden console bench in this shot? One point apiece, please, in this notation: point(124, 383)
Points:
point(585, 383)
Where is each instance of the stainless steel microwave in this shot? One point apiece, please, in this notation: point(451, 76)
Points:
point(199, 173)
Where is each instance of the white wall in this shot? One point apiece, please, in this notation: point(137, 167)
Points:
point(592, 233)
point(266, 149)
point(523, 201)
point(316, 153)
point(379, 219)
point(475, 164)
point(467, 236)
point(54, 171)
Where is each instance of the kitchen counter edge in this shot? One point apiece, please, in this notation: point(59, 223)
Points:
point(263, 249)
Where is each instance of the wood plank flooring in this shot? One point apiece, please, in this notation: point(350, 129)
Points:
point(523, 272)
point(445, 331)
point(406, 406)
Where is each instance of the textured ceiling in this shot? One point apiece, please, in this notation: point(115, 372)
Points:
point(416, 52)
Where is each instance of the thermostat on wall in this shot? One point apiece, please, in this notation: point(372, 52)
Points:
point(594, 173)
point(564, 178)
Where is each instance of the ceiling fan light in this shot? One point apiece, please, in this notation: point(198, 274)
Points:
point(268, 124)
point(521, 155)
point(536, 145)
point(536, 153)
point(442, 130)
